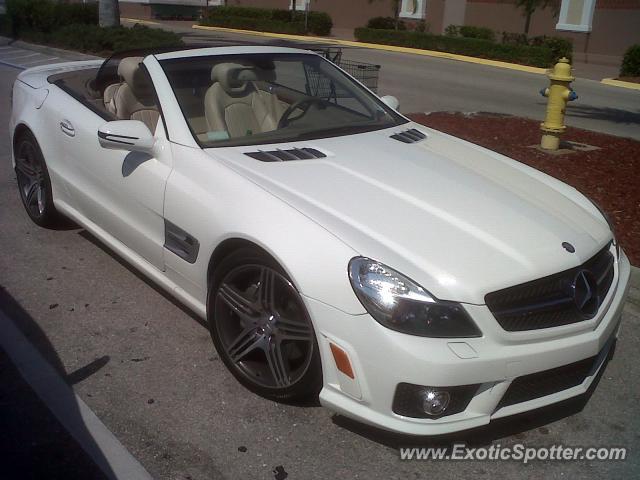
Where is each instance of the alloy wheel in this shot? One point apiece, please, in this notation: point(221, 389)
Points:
point(31, 179)
point(264, 328)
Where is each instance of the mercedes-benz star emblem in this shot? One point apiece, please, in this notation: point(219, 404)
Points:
point(585, 293)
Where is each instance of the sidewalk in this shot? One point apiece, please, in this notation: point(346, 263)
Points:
point(33, 444)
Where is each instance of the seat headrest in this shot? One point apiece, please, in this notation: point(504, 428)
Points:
point(233, 77)
point(129, 70)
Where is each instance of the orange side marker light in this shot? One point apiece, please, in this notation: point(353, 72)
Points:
point(342, 360)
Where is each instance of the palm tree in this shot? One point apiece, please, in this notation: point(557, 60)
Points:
point(530, 6)
point(109, 13)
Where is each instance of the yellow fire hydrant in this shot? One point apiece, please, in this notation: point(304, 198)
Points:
point(559, 93)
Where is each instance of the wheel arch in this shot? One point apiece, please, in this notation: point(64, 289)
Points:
point(20, 129)
point(231, 245)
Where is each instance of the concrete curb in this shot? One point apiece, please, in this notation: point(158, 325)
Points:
point(620, 83)
point(56, 52)
point(375, 46)
point(143, 22)
point(77, 418)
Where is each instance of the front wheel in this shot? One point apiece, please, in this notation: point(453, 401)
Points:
point(261, 328)
point(34, 183)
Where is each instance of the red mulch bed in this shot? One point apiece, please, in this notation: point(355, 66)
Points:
point(610, 176)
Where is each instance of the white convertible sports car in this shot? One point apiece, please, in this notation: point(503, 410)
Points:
point(415, 281)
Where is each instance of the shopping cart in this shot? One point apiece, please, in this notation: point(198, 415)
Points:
point(365, 73)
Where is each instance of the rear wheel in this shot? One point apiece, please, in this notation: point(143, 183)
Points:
point(34, 183)
point(261, 328)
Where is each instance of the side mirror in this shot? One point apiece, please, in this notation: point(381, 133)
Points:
point(391, 102)
point(131, 135)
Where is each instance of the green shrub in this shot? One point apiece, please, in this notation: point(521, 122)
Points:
point(469, 31)
point(452, 31)
point(631, 62)
point(561, 47)
point(257, 24)
point(422, 27)
point(536, 56)
point(175, 12)
point(483, 33)
point(99, 40)
point(244, 12)
point(268, 20)
point(5, 28)
point(515, 38)
point(47, 15)
point(385, 23)
point(320, 23)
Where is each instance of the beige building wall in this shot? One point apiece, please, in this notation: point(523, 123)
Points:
point(616, 23)
point(616, 26)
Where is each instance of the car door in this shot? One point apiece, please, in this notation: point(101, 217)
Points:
point(121, 192)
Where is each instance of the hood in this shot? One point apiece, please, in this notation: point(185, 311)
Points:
point(460, 220)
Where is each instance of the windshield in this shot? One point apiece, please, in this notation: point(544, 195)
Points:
point(250, 99)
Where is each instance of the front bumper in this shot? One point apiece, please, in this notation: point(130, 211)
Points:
point(382, 358)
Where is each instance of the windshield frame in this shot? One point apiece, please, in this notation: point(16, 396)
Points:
point(339, 131)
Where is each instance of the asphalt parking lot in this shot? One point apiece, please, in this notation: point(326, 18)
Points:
point(147, 368)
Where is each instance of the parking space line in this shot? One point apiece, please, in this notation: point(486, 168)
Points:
point(13, 65)
point(79, 420)
point(21, 54)
point(39, 61)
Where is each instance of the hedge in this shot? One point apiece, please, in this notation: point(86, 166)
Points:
point(536, 56)
point(631, 62)
point(257, 24)
point(386, 23)
point(47, 15)
point(470, 31)
point(103, 41)
point(268, 20)
point(561, 47)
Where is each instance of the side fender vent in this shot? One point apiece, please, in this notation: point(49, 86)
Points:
point(286, 155)
point(409, 136)
point(180, 242)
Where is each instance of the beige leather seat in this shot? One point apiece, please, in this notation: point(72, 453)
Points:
point(133, 98)
point(233, 103)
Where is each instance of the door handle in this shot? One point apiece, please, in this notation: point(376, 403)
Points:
point(67, 128)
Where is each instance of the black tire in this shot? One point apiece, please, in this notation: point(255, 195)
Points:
point(34, 183)
point(300, 377)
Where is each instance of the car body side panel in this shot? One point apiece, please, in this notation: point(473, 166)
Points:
point(229, 206)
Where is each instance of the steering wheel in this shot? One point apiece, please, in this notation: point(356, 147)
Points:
point(303, 105)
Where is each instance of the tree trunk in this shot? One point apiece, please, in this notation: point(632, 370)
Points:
point(293, 10)
point(109, 13)
point(396, 13)
point(527, 23)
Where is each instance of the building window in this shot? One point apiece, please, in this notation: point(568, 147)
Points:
point(215, 3)
point(301, 5)
point(413, 8)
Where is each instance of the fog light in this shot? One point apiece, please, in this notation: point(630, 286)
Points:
point(424, 401)
point(434, 402)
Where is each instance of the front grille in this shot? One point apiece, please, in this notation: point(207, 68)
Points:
point(541, 384)
point(552, 301)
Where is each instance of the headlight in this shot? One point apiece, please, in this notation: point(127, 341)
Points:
point(611, 226)
point(400, 304)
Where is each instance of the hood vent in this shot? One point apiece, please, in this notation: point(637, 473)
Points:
point(409, 136)
point(286, 155)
